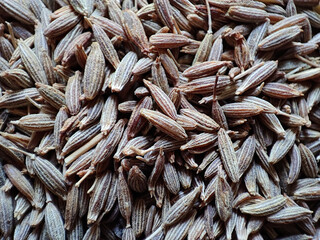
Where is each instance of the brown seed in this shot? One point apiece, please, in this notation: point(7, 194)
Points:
point(62, 24)
point(124, 197)
point(258, 76)
point(168, 40)
point(200, 141)
point(216, 50)
point(73, 92)
point(18, 11)
point(279, 38)
point(295, 165)
point(162, 100)
point(171, 178)
point(123, 72)
point(20, 182)
point(282, 146)
point(223, 198)
point(36, 122)
point(53, 219)
point(308, 162)
point(181, 207)
point(245, 154)
point(94, 72)
point(32, 63)
point(139, 215)
point(72, 207)
point(246, 14)
point(52, 95)
point(50, 176)
point(280, 90)
point(109, 114)
point(164, 11)
point(239, 110)
point(272, 122)
point(289, 215)
point(70, 51)
point(156, 172)
point(99, 196)
point(204, 122)
point(182, 229)
point(204, 69)
point(6, 212)
point(304, 75)
point(228, 156)
point(135, 31)
point(106, 45)
point(255, 37)
point(164, 123)
point(265, 207)
point(137, 180)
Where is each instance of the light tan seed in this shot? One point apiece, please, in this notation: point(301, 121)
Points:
point(265, 207)
point(289, 215)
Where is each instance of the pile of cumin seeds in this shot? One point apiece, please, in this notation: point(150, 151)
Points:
point(164, 119)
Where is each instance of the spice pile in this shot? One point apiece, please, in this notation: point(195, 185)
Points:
point(159, 120)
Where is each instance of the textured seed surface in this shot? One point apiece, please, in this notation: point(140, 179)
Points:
point(160, 119)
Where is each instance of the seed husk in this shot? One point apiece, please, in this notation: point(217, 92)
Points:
point(222, 140)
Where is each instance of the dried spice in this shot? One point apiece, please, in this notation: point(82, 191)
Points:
point(164, 119)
